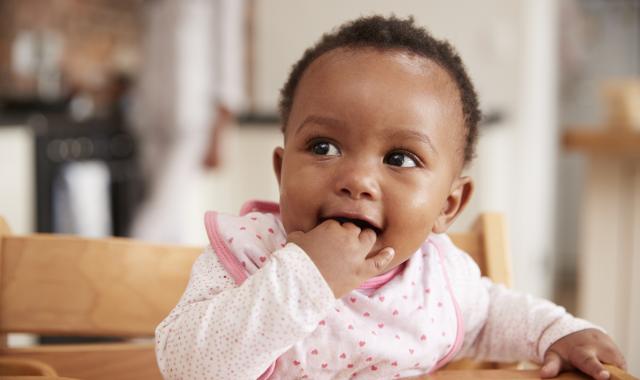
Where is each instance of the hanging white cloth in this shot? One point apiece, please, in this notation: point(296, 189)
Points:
point(194, 60)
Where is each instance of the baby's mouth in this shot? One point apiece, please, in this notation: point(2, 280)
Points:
point(361, 223)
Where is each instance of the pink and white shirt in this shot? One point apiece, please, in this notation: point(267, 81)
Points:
point(257, 307)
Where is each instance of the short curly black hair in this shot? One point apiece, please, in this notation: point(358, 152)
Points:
point(391, 33)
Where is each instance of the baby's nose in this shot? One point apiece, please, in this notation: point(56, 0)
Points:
point(359, 180)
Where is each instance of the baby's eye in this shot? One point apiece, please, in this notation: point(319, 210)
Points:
point(324, 148)
point(401, 159)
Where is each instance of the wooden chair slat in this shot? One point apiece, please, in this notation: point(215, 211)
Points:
point(72, 286)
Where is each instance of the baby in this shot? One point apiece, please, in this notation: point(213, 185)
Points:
point(352, 275)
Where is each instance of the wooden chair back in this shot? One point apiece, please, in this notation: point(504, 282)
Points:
point(69, 286)
point(487, 244)
point(56, 285)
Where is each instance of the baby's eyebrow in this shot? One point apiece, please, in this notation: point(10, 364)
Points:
point(406, 134)
point(321, 120)
point(410, 134)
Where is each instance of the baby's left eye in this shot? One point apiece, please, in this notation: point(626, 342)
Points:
point(401, 159)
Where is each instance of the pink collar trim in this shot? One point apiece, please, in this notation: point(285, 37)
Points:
point(379, 281)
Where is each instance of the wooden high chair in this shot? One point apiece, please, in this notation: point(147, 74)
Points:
point(69, 286)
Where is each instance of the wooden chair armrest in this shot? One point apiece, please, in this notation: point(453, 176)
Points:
point(618, 374)
point(135, 361)
point(25, 367)
point(512, 374)
point(36, 378)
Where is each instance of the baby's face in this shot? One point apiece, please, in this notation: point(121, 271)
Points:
point(375, 138)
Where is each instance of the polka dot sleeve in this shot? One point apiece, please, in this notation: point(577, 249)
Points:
point(219, 330)
point(502, 324)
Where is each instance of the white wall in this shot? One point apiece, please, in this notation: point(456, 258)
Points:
point(246, 171)
point(17, 178)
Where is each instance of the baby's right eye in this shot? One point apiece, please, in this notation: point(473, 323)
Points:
point(324, 148)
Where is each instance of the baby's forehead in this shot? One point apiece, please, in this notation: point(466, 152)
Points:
point(421, 65)
point(409, 66)
point(369, 51)
point(336, 71)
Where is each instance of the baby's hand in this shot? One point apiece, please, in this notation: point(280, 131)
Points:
point(339, 251)
point(585, 350)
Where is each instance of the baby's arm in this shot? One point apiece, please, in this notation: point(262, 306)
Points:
point(505, 325)
point(220, 330)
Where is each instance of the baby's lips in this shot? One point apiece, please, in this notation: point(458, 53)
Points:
point(359, 219)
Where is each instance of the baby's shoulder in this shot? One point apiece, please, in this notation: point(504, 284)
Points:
point(456, 261)
point(209, 265)
point(208, 277)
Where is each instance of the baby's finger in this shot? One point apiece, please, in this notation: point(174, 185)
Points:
point(587, 362)
point(351, 227)
point(551, 365)
point(368, 237)
point(380, 261)
point(612, 356)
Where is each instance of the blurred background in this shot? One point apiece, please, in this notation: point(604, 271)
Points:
point(131, 118)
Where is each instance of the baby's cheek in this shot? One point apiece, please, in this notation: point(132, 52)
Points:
point(418, 227)
point(295, 215)
point(405, 239)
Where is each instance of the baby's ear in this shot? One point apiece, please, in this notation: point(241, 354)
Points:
point(278, 154)
point(458, 198)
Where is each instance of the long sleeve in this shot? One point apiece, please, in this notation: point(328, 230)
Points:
point(502, 324)
point(220, 330)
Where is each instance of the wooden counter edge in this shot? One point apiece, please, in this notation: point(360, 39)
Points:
point(602, 142)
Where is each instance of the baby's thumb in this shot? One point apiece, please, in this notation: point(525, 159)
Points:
point(380, 261)
point(551, 366)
